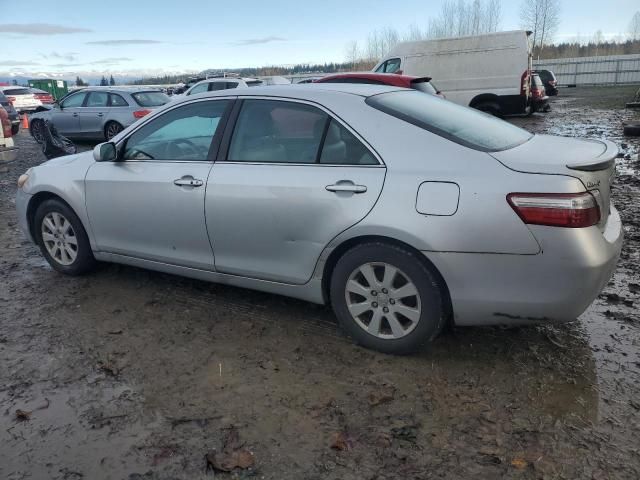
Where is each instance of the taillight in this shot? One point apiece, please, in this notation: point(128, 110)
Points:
point(570, 210)
point(141, 113)
point(6, 123)
point(11, 99)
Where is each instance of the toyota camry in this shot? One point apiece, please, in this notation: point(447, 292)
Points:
point(401, 210)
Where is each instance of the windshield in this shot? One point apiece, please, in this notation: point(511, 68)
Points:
point(150, 99)
point(463, 125)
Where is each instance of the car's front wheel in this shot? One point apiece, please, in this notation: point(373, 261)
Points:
point(37, 130)
point(62, 238)
point(387, 299)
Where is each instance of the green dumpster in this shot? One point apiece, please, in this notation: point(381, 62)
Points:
point(57, 88)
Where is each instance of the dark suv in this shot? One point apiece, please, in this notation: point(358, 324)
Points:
point(549, 81)
point(14, 118)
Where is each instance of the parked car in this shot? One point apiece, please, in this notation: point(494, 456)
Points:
point(307, 80)
point(14, 118)
point(490, 72)
point(397, 208)
point(45, 97)
point(213, 84)
point(97, 112)
point(274, 80)
point(8, 151)
point(539, 98)
point(549, 80)
point(422, 84)
point(21, 98)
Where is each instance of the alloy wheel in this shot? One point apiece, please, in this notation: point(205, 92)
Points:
point(59, 238)
point(112, 130)
point(383, 300)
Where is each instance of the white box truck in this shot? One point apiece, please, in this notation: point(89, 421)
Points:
point(490, 72)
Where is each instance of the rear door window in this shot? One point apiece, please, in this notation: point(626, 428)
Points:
point(98, 99)
point(118, 101)
point(272, 131)
point(462, 125)
point(215, 86)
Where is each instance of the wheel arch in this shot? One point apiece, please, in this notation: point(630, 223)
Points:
point(37, 200)
point(342, 248)
point(485, 98)
point(106, 125)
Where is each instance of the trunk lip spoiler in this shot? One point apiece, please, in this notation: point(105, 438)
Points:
point(610, 153)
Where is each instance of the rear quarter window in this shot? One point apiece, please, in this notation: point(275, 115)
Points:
point(465, 126)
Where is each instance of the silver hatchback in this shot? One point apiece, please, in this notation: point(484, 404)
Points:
point(401, 210)
point(97, 112)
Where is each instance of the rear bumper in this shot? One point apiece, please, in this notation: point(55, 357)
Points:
point(556, 285)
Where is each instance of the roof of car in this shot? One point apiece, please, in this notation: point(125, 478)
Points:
point(123, 88)
point(299, 91)
point(394, 79)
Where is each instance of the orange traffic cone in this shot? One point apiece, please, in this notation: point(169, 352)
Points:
point(25, 121)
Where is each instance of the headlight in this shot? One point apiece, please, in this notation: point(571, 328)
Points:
point(22, 179)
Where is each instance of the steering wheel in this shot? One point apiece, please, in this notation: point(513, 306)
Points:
point(175, 150)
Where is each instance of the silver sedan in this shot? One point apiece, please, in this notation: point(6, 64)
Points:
point(401, 210)
point(97, 112)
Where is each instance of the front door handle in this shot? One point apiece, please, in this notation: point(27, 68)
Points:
point(75, 114)
point(346, 187)
point(101, 114)
point(188, 181)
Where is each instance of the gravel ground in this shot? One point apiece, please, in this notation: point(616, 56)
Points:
point(130, 374)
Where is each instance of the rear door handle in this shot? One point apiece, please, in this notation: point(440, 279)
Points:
point(188, 181)
point(75, 114)
point(101, 114)
point(346, 187)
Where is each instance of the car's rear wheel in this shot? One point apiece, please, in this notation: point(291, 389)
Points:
point(387, 299)
point(62, 238)
point(37, 130)
point(111, 129)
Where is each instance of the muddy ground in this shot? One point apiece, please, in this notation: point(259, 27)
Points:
point(130, 374)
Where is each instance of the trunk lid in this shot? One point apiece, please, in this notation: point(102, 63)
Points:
point(590, 161)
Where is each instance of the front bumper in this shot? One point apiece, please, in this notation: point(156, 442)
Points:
point(554, 286)
point(22, 203)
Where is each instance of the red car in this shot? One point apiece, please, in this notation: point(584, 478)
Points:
point(422, 84)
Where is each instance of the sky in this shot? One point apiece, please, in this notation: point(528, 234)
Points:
point(139, 37)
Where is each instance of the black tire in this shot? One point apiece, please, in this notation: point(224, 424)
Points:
point(37, 130)
point(15, 129)
point(111, 129)
point(84, 260)
point(432, 297)
point(632, 130)
point(490, 108)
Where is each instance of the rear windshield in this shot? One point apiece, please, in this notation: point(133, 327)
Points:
point(463, 125)
point(150, 99)
point(426, 87)
point(17, 91)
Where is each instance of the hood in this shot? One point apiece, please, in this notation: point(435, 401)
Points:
point(68, 159)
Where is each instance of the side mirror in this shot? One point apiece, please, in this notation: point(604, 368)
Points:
point(105, 152)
